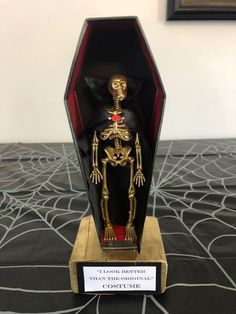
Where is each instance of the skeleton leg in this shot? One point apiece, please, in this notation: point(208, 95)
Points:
point(109, 233)
point(130, 232)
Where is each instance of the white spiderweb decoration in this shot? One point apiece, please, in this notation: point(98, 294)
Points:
point(194, 196)
point(39, 192)
point(42, 200)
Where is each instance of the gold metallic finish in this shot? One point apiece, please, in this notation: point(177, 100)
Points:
point(139, 178)
point(95, 175)
point(117, 155)
point(109, 234)
point(117, 86)
point(130, 232)
point(116, 130)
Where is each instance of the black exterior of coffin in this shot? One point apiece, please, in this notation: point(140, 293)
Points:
point(109, 46)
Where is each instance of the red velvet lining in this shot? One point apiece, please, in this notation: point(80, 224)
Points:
point(119, 232)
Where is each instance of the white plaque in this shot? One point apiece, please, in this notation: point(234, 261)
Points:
point(119, 278)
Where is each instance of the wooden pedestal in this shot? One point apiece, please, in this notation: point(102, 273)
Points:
point(88, 255)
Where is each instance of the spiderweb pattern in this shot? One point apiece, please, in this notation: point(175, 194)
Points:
point(42, 200)
point(195, 191)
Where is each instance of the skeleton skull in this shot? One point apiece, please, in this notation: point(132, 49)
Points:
point(117, 86)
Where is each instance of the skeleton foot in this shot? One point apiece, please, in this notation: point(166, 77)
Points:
point(130, 234)
point(109, 234)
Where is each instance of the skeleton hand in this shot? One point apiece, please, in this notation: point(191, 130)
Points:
point(95, 175)
point(139, 178)
point(130, 234)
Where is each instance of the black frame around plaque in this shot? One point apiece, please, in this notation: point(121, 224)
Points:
point(176, 11)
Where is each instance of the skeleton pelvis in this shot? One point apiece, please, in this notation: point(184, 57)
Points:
point(118, 156)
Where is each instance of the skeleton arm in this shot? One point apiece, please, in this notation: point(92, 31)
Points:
point(95, 175)
point(139, 178)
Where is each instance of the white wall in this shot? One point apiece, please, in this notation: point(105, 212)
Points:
point(196, 60)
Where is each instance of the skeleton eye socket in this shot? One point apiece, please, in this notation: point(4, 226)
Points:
point(115, 85)
point(123, 84)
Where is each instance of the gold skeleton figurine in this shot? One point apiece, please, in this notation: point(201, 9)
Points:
point(118, 155)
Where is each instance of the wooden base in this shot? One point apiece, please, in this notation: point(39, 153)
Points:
point(87, 252)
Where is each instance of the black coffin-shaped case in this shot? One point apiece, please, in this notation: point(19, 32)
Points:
point(109, 46)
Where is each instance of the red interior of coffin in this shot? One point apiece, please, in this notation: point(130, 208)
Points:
point(72, 98)
point(119, 232)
